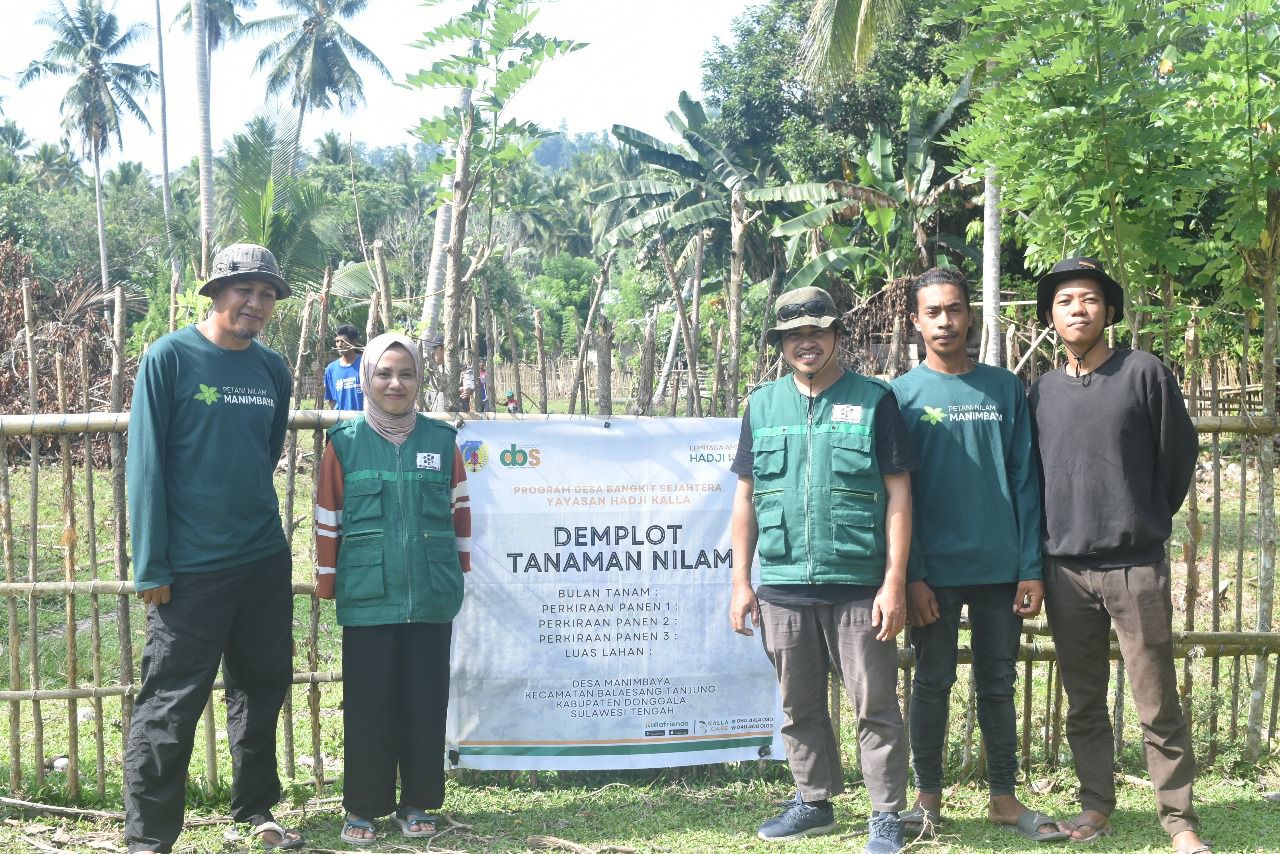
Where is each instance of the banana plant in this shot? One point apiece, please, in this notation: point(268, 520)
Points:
point(875, 227)
point(696, 195)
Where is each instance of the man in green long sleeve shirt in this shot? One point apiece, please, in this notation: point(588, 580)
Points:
point(210, 559)
point(976, 503)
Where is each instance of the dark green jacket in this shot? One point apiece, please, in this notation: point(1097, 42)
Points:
point(398, 562)
point(819, 496)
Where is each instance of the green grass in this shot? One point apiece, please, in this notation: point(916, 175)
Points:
point(719, 809)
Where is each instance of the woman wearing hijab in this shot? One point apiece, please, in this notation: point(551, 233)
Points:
point(393, 538)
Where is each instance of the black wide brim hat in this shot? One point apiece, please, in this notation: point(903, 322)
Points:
point(1080, 267)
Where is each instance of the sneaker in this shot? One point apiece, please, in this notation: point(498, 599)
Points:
point(799, 820)
point(885, 834)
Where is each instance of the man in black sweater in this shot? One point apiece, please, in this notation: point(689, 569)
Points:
point(1118, 453)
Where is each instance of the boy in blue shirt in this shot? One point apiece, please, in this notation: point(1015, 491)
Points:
point(342, 376)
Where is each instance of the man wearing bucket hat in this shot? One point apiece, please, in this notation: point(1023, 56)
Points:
point(210, 559)
point(1118, 453)
point(824, 494)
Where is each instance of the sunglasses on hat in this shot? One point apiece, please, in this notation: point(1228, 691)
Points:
point(809, 308)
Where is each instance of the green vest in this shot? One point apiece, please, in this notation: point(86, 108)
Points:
point(819, 496)
point(398, 562)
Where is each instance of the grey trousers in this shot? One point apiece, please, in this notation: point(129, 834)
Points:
point(1082, 605)
point(803, 642)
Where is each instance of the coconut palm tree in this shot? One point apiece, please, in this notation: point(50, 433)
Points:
point(312, 61)
point(54, 167)
point(87, 45)
point(88, 41)
point(13, 138)
point(222, 21)
point(213, 23)
point(840, 37)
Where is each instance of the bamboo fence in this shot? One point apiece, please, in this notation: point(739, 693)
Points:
point(68, 588)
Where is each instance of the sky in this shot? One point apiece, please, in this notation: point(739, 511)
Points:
point(640, 55)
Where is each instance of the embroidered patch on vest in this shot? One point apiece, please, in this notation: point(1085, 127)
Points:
point(429, 461)
point(847, 412)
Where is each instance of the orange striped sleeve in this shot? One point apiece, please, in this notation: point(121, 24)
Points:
point(461, 504)
point(328, 521)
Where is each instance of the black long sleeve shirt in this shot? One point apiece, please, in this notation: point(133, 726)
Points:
point(1117, 454)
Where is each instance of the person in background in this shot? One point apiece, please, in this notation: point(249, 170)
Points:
point(342, 376)
point(390, 477)
point(435, 396)
point(210, 558)
point(824, 492)
point(1118, 453)
point(972, 430)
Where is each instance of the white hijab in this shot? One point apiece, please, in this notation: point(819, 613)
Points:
point(394, 428)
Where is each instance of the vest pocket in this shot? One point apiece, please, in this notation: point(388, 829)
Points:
point(769, 456)
point(443, 569)
point(853, 530)
point(772, 542)
point(850, 453)
point(359, 573)
point(362, 500)
point(436, 500)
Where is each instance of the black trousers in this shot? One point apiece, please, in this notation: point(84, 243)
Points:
point(395, 696)
point(242, 617)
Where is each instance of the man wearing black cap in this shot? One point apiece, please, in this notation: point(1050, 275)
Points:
point(210, 559)
point(1118, 453)
point(824, 495)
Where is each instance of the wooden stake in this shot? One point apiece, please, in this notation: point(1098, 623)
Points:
point(644, 383)
point(542, 361)
point(11, 606)
point(33, 612)
point(601, 280)
point(604, 369)
point(95, 607)
point(69, 574)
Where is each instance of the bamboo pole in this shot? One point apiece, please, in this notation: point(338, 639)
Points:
point(690, 343)
point(99, 587)
point(313, 653)
point(95, 606)
point(384, 288)
point(290, 492)
point(1191, 548)
point(33, 612)
point(1266, 482)
point(174, 280)
point(1237, 665)
point(371, 320)
point(210, 746)
point(1057, 716)
point(322, 331)
point(542, 361)
point(644, 382)
point(1215, 555)
point(717, 369)
point(1027, 672)
point(515, 355)
point(601, 280)
point(130, 690)
point(118, 422)
point(291, 445)
point(604, 369)
point(69, 574)
point(11, 608)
